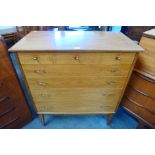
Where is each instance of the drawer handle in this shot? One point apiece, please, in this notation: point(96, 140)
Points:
point(42, 83)
point(107, 94)
point(10, 122)
point(146, 78)
point(113, 71)
point(7, 111)
point(39, 71)
point(44, 95)
point(136, 103)
point(111, 82)
point(76, 57)
point(139, 91)
point(117, 58)
point(4, 98)
point(35, 58)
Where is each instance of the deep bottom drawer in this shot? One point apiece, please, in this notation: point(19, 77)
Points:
point(139, 112)
point(76, 100)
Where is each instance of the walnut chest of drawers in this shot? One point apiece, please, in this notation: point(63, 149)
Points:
point(14, 111)
point(76, 72)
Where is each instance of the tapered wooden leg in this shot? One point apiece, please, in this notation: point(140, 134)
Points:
point(140, 125)
point(109, 118)
point(42, 119)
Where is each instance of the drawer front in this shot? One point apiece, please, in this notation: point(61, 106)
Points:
point(76, 82)
point(10, 119)
point(75, 100)
point(36, 71)
point(146, 64)
point(6, 106)
point(138, 111)
point(143, 84)
point(76, 58)
point(145, 60)
point(141, 100)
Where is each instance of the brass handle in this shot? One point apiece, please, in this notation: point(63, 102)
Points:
point(111, 82)
point(113, 70)
point(42, 83)
point(35, 58)
point(76, 57)
point(44, 95)
point(118, 58)
point(39, 71)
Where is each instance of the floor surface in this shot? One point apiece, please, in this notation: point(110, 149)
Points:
point(121, 120)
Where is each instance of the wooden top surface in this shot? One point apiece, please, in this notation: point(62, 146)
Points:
point(75, 41)
point(150, 33)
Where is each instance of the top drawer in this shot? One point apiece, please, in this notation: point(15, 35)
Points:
point(76, 58)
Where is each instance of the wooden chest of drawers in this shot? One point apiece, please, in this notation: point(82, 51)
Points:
point(139, 99)
point(76, 72)
point(14, 111)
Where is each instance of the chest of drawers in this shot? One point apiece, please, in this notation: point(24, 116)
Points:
point(139, 99)
point(14, 111)
point(76, 72)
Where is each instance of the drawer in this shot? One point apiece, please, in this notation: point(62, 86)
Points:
point(143, 84)
point(145, 60)
point(76, 82)
point(141, 99)
point(36, 71)
point(8, 121)
point(76, 58)
point(146, 64)
point(149, 46)
point(138, 111)
point(75, 100)
point(7, 105)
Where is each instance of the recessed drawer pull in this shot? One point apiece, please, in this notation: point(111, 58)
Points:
point(39, 71)
point(4, 98)
point(107, 94)
point(111, 82)
point(113, 70)
point(42, 83)
point(143, 93)
point(10, 122)
point(7, 111)
point(136, 103)
point(117, 58)
point(44, 95)
point(146, 78)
